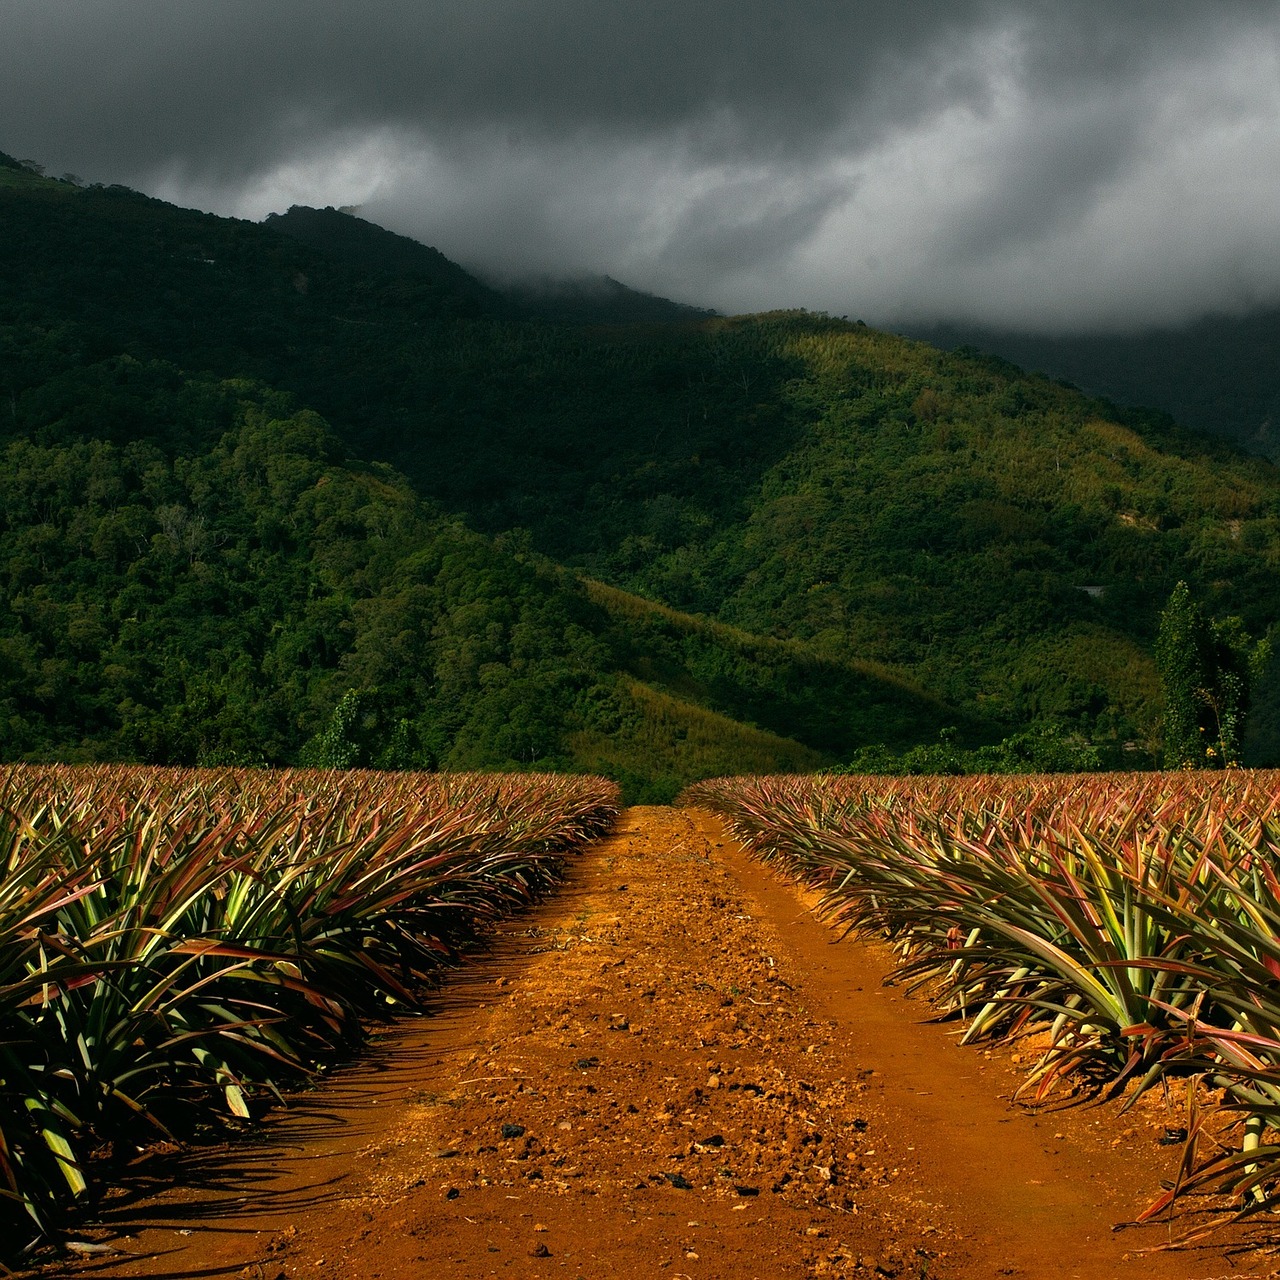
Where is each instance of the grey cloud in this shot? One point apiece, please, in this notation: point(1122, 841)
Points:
point(1047, 177)
point(227, 80)
point(749, 154)
point(750, 220)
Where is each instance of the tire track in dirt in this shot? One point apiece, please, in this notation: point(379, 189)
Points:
point(669, 1070)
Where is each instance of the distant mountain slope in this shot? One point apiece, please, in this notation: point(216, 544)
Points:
point(215, 606)
point(516, 423)
point(596, 300)
point(368, 248)
point(834, 704)
point(900, 536)
point(945, 514)
point(1219, 374)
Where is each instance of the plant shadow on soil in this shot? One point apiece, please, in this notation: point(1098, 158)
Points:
point(235, 1184)
point(244, 1201)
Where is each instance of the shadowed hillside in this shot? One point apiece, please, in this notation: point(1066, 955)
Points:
point(854, 538)
point(1218, 374)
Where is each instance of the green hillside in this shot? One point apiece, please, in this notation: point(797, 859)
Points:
point(216, 607)
point(1218, 374)
point(836, 705)
point(815, 537)
point(1000, 536)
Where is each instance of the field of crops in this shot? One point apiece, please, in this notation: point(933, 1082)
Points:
point(179, 945)
point(1128, 925)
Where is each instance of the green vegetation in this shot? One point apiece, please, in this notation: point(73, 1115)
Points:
point(1216, 374)
point(1045, 748)
point(1122, 927)
point(658, 740)
point(215, 606)
point(789, 687)
point(1206, 668)
point(178, 947)
point(253, 468)
point(267, 601)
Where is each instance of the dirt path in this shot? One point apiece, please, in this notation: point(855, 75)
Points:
point(670, 1071)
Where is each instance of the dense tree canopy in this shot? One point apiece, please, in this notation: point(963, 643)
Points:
point(823, 537)
point(1206, 669)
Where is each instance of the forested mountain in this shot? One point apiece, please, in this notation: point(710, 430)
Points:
point(594, 300)
point(1218, 374)
point(370, 250)
point(582, 300)
point(215, 606)
point(249, 468)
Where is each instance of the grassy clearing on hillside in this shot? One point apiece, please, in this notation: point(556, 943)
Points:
point(669, 740)
point(833, 704)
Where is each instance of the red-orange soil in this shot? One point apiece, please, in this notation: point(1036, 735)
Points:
point(669, 1070)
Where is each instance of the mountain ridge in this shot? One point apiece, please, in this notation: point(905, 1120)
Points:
point(850, 501)
point(1213, 373)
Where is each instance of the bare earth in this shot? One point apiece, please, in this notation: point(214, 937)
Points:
point(670, 1070)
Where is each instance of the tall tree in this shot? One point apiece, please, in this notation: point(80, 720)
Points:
point(1206, 667)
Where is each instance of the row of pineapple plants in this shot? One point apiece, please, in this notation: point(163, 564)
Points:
point(179, 945)
point(1128, 924)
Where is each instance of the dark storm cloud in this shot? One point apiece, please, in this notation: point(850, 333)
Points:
point(979, 157)
point(227, 82)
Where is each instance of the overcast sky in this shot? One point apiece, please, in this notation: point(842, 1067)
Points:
point(1044, 163)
